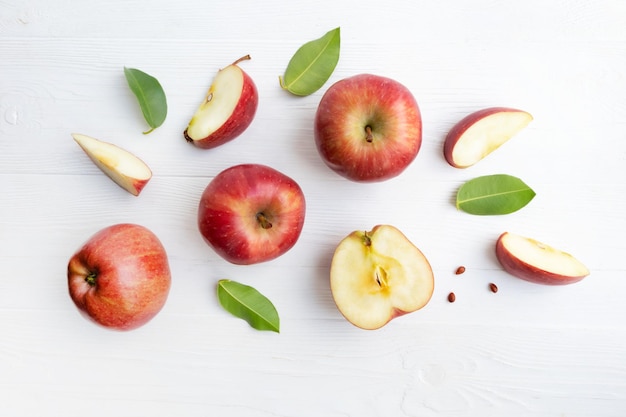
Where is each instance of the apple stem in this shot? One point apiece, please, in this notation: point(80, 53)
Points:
point(243, 58)
point(263, 221)
point(369, 137)
point(91, 279)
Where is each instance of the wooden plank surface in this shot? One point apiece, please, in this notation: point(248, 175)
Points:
point(528, 350)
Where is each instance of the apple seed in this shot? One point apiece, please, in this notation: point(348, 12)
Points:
point(460, 270)
point(493, 287)
point(451, 297)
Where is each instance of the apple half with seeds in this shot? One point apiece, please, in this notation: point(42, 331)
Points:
point(379, 275)
point(226, 111)
point(482, 132)
point(537, 262)
point(123, 167)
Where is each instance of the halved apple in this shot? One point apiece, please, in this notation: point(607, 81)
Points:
point(128, 171)
point(379, 275)
point(227, 110)
point(482, 132)
point(537, 262)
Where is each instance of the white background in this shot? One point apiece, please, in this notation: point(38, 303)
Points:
point(529, 350)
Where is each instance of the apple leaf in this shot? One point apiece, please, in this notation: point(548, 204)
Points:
point(312, 65)
point(150, 95)
point(248, 304)
point(493, 194)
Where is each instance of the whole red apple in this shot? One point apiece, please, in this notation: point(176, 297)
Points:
point(251, 213)
point(368, 128)
point(120, 278)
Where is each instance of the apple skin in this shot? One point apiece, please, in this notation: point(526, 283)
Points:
point(251, 213)
point(354, 104)
point(238, 121)
point(120, 278)
point(491, 140)
point(379, 275)
point(525, 270)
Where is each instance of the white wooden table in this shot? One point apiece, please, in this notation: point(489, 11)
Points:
point(528, 350)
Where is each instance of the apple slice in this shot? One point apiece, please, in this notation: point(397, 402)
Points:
point(537, 262)
point(379, 275)
point(128, 171)
point(482, 132)
point(227, 110)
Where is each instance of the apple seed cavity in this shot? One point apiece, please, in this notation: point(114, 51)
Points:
point(381, 276)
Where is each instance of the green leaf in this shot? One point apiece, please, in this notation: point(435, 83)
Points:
point(150, 95)
point(248, 304)
point(493, 194)
point(312, 65)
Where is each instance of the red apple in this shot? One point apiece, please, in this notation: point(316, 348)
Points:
point(368, 128)
point(251, 213)
point(537, 262)
point(120, 278)
point(379, 275)
point(124, 168)
point(482, 132)
point(227, 110)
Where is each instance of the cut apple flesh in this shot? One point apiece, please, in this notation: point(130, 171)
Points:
point(537, 262)
point(128, 171)
point(219, 104)
point(378, 275)
point(487, 134)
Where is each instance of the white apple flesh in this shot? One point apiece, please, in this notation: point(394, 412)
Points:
point(537, 262)
point(120, 278)
point(482, 132)
point(227, 110)
point(124, 168)
point(368, 128)
point(251, 213)
point(379, 275)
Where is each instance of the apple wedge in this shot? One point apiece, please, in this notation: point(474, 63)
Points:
point(128, 171)
point(227, 110)
point(537, 262)
point(482, 132)
point(379, 275)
